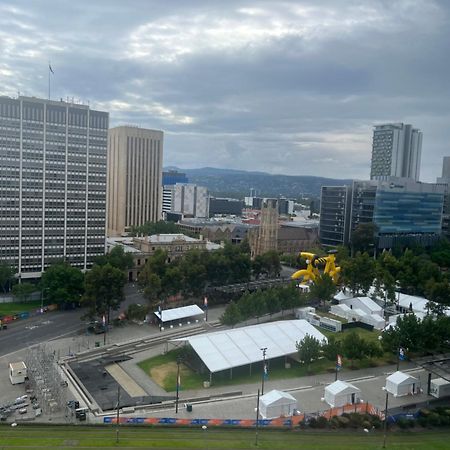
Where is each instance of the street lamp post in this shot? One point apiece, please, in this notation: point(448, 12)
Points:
point(385, 418)
point(118, 414)
point(264, 370)
point(178, 385)
point(257, 420)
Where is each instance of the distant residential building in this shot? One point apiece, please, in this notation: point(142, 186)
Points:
point(52, 184)
point(171, 177)
point(168, 198)
point(396, 151)
point(190, 200)
point(285, 207)
point(134, 178)
point(225, 206)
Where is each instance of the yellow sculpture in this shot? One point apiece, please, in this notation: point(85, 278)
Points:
point(312, 272)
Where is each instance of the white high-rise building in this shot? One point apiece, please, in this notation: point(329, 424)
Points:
point(187, 199)
point(52, 184)
point(396, 151)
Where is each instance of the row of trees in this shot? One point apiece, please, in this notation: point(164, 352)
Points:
point(258, 303)
point(101, 289)
point(410, 273)
point(191, 274)
point(352, 346)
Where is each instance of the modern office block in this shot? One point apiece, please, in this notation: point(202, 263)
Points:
point(396, 151)
point(230, 206)
point(134, 178)
point(171, 177)
point(52, 184)
point(334, 215)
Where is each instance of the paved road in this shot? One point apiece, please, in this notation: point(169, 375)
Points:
point(24, 333)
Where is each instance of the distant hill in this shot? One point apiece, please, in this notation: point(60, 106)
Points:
point(237, 183)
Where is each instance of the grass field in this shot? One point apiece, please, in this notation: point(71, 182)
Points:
point(82, 437)
point(163, 368)
point(9, 309)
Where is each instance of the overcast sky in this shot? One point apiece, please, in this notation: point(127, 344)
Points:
point(290, 87)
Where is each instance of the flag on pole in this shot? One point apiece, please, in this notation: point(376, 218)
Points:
point(205, 302)
point(266, 371)
point(338, 362)
point(50, 68)
point(401, 354)
point(179, 381)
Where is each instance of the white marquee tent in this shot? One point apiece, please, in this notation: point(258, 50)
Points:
point(226, 349)
point(400, 383)
point(277, 404)
point(341, 393)
point(184, 312)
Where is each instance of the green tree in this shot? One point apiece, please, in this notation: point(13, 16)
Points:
point(332, 348)
point(6, 277)
point(117, 257)
point(61, 283)
point(322, 289)
point(231, 315)
point(22, 291)
point(407, 333)
point(104, 290)
point(268, 264)
point(358, 273)
point(354, 347)
point(439, 293)
point(309, 349)
point(161, 227)
point(363, 238)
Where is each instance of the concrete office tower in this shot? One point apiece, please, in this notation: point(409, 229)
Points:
point(396, 151)
point(52, 184)
point(267, 235)
point(190, 200)
point(134, 178)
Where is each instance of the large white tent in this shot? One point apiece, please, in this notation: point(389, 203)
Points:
point(277, 404)
point(341, 393)
point(226, 349)
point(400, 383)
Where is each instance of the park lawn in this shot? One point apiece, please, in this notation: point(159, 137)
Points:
point(104, 437)
point(10, 309)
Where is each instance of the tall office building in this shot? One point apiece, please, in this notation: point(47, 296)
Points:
point(52, 184)
point(396, 151)
point(334, 215)
point(173, 177)
point(134, 178)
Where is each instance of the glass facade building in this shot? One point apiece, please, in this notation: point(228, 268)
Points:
point(52, 184)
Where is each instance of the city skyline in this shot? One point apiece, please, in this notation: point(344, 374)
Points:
point(292, 87)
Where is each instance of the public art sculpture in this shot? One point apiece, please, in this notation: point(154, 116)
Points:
point(309, 275)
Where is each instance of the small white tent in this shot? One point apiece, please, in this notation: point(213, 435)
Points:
point(400, 383)
point(277, 404)
point(341, 393)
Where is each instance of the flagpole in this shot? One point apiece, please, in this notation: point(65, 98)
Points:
point(178, 385)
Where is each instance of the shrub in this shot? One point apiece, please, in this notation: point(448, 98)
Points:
point(366, 424)
point(434, 419)
point(322, 422)
point(343, 421)
point(403, 423)
point(312, 422)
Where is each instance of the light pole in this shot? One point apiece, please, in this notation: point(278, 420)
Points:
point(205, 429)
point(118, 414)
point(385, 418)
point(178, 385)
point(264, 370)
point(257, 420)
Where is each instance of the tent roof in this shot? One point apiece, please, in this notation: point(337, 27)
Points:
point(341, 387)
point(225, 349)
point(401, 378)
point(179, 313)
point(276, 395)
point(341, 296)
point(369, 303)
